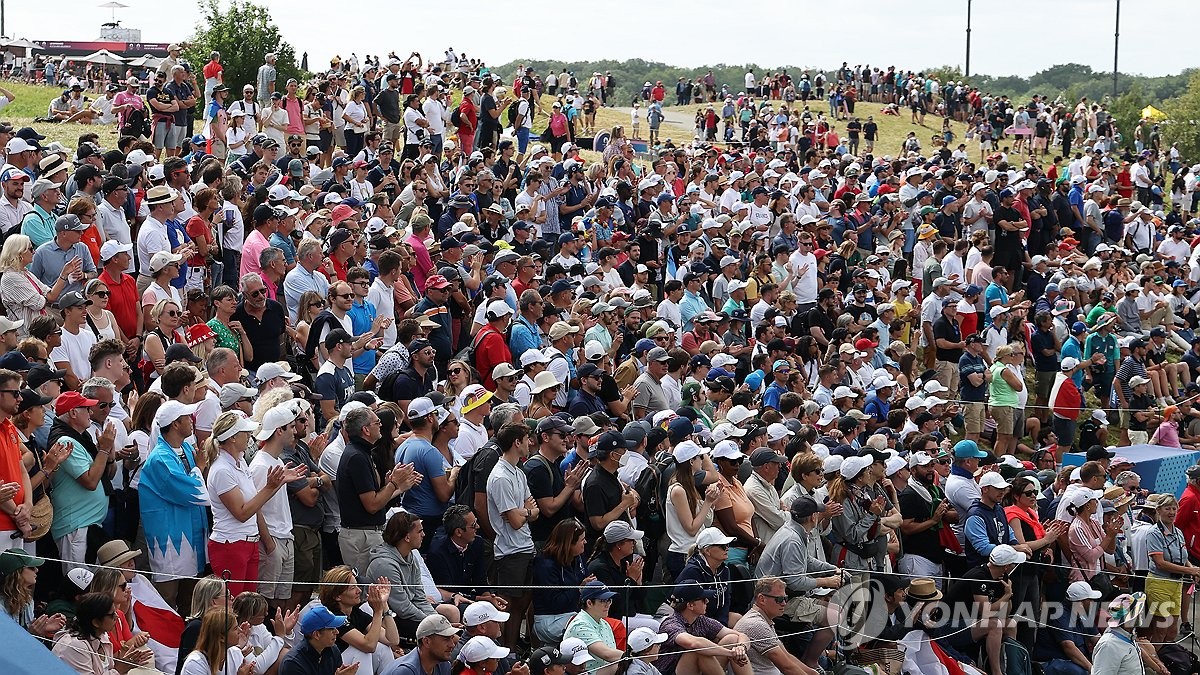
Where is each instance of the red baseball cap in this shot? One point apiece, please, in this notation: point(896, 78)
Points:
point(436, 281)
point(863, 344)
point(70, 400)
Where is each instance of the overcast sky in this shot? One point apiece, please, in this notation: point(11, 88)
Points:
point(1019, 37)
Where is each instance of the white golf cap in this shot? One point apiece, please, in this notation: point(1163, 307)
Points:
point(832, 464)
point(280, 416)
point(532, 356)
point(641, 639)
point(422, 406)
point(725, 431)
point(711, 536)
point(171, 411)
point(113, 247)
point(481, 648)
point(920, 458)
point(993, 479)
point(274, 369)
point(482, 611)
point(1006, 555)
point(777, 431)
point(497, 309)
point(686, 451)
point(828, 414)
point(727, 450)
point(1080, 590)
point(739, 413)
point(852, 466)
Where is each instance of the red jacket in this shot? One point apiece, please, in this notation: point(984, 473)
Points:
point(490, 351)
point(1188, 519)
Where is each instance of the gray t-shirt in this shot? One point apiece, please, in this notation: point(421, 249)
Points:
point(266, 75)
point(1127, 314)
point(650, 394)
point(763, 639)
point(507, 489)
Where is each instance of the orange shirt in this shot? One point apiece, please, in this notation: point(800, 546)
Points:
point(11, 469)
point(91, 239)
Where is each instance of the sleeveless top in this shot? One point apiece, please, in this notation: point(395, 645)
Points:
point(1000, 391)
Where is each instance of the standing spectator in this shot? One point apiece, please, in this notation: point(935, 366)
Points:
point(79, 496)
point(511, 508)
point(360, 496)
point(232, 546)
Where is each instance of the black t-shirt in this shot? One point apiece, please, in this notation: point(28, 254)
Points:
point(355, 476)
point(857, 311)
point(358, 620)
point(871, 131)
point(162, 96)
point(486, 105)
point(545, 479)
point(924, 543)
point(947, 329)
point(1138, 403)
point(601, 494)
point(1062, 210)
point(1009, 237)
point(816, 318)
point(263, 335)
point(853, 129)
point(975, 581)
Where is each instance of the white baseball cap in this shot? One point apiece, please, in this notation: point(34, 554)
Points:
point(1006, 555)
point(993, 479)
point(777, 431)
point(280, 416)
point(481, 648)
point(641, 639)
point(170, 411)
point(686, 451)
point(739, 413)
point(725, 430)
point(1080, 590)
point(576, 649)
point(832, 464)
point(420, 407)
point(728, 450)
point(482, 611)
point(711, 536)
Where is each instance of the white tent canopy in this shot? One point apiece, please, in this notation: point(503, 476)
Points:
point(146, 61)
point(102, 57)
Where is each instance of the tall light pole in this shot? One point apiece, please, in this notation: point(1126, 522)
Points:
point(968, 67)
point(1116, 49)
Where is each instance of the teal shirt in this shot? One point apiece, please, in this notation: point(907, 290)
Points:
point(600, 334)
point(75, 507)
point(584, 627)
point(38, 225)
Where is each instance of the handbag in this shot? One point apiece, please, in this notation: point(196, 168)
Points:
point(40, 517)
point(1099, 581)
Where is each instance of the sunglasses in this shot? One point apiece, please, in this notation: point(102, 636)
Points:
point(103, 294)
point(316, 304)
point(455, 371)
point(105, 406)
point(781, 599)
point(344, 296)
point(943, 461)
point(171, 313)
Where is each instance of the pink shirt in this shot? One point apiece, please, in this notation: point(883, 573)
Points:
point(255, 243)
point(132, 100)
point(424, 262)
point(1168, 434)
point(268, 284)
point(295, 118)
